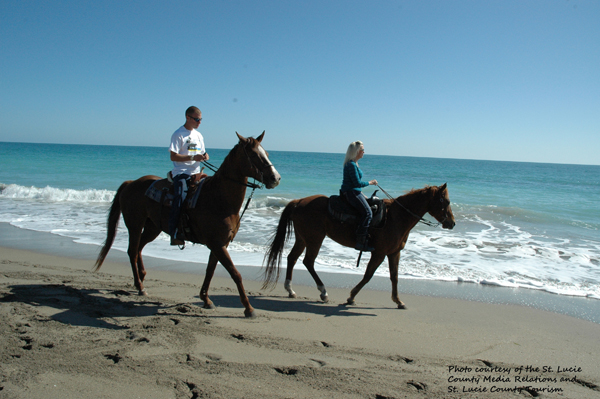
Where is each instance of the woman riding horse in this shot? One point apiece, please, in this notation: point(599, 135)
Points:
point(308, 218)
point(351, 190)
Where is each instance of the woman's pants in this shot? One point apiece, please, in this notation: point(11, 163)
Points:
point(359, 201)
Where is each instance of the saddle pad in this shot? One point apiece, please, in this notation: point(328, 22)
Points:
point(341, 209)
point(155, 192)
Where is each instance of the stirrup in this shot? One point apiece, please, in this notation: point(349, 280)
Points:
point(364, 247)
point(362, 243)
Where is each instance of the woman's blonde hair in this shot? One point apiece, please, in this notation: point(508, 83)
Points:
point(352, 151)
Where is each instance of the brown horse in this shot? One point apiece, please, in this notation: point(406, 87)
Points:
point(214, 221)
point(311, 223)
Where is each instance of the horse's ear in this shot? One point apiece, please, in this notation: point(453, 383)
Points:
point(443, 186)
point(259, 138)
point(242, 138)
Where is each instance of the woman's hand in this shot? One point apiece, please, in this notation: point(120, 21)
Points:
point(373, 182)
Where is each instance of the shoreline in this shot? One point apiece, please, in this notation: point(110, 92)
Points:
point(46, 243)
point(68, 332)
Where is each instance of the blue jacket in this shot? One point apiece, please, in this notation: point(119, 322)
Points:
point(352, 178)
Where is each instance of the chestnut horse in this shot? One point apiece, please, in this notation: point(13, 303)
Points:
point(311, 223)
point(214, 221)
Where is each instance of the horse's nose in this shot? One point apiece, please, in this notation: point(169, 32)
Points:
point(274, 179)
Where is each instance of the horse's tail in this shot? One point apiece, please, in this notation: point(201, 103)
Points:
point(113, 221)
point(275, 252)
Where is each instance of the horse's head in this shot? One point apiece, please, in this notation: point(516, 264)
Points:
point(261, 167)
point(440, 207)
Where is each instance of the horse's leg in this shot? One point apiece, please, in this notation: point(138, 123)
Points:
point(312, 251)
point(394, 260)
point(292, 258)
point(148, 235)
point(222, 255)
point(372, 266)
point(133, 251)
point(210, 271)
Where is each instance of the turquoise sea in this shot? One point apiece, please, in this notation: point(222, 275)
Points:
point(520, 225)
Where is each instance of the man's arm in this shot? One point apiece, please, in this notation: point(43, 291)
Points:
point(187, 158)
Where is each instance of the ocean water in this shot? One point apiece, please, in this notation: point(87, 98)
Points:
point(520, 225)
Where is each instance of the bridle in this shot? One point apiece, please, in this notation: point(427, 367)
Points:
point(253, 186)
point(445, 210)
point(258, 171)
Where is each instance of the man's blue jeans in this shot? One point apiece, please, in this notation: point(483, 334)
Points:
point(180, 184)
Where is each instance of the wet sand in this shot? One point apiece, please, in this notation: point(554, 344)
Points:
point(69, 332)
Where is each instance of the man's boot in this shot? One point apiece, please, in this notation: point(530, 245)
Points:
point(177, 241)
point(177, 237)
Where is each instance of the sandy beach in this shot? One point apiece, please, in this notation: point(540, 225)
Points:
point(68, 332)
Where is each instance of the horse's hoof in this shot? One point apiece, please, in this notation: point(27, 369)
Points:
point(143, 292)
point(350, 302)
point(325, 298)
point(250, 314)
point(209, 306)
point(401, 306)
point(293, 295)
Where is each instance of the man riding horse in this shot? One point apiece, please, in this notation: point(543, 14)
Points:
point(187, 152)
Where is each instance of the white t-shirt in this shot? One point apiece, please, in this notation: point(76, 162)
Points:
point(186, 142)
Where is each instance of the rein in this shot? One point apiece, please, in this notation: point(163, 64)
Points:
point(253, 186)
point(421, 220)
point(210, 166)
point(214, 169)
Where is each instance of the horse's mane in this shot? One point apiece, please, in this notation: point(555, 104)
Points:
point(226, 161)
point(235, 147)
point(229, 155)
point(416, 190)
point(408, 195)
point(209, 182)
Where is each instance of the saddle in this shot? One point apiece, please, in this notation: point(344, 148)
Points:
point(162, 190)
point(341, 210)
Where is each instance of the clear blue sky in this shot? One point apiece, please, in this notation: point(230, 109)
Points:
point(497, 80)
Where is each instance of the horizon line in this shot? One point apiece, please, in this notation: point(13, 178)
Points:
point(316, 152)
